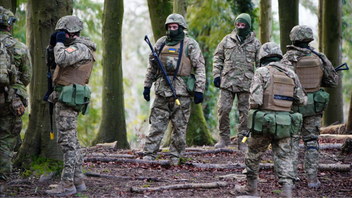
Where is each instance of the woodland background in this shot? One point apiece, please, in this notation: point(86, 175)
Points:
point(118, 111)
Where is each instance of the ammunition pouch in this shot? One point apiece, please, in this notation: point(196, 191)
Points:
point(316, 104)
point(278, 124)
point(190, 82)
point(76, 96)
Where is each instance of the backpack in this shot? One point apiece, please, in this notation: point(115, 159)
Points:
point(8, 71)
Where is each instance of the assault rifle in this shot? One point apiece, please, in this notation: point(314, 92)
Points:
point(162, 69)
point(338, 68)
point(50, 64)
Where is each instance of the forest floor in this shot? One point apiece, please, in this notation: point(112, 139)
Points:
point(116, 179)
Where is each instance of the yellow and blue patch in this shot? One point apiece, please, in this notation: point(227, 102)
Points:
point(172, 50)
point(71, 49)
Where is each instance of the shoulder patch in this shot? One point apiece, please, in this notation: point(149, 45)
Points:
point(71, 49)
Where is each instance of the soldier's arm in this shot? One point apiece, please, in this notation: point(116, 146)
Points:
point(218, 61)
point(23, 61)
point(299, 95)
point(257, 47)
point(260, 81)
point(330, 77)
point(68, 56)
point(198, 64)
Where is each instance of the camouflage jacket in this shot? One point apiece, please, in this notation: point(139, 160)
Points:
point(262, 80)
point(293, 54)
point(234, 62)
point(22, 61)
point(195, 55)
point(74, 54)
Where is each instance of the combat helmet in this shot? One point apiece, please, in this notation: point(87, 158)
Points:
point(176, 18)
point(69, 23)
point(301, 33)
point(7, 18)
point(270, 49)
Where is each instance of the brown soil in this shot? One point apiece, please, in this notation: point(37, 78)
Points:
point(334, 184)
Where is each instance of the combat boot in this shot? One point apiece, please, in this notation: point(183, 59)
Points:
point(149, 158)
point(65, 188)
point(249, 189)
point(2, 188)
point(287, 190)
point(79, 183)
point(222, 143)
point(313, 181)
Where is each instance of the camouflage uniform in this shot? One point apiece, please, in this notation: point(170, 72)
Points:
point(11, 124)
point(164, 108)
point(311, 124)
point(72, 53)
point(258, 142)
point(234, 63)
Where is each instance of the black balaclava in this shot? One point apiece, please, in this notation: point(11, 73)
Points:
point(174, 36)
point(301, 44)
point(267, 60)
point(243, 32)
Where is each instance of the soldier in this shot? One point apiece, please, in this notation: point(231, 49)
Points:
point(273, 90)
point(233, 68)
point(176, 45)
point(15, 75)
point(314, 71)
point(74, 56)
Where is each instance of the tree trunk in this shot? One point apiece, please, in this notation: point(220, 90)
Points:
point(113, 124)
point(158, 12)
point(9, 4)
point(320, 25)
point(288, 18)
point(265, 21)
point(42, 16)
point(180, 186)
point(332, 49)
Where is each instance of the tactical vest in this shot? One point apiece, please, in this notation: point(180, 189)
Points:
point(70, 75)
point(8, 70)
point(278, 96)
point(309, 72)
point(169, 58)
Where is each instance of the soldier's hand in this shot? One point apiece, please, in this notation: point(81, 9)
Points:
point(146, 93)
point(61, 37)
point(198, 98)
point(217, 82)
point(16, 106)
point(53, 39)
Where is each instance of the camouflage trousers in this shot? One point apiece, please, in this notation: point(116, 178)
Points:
point(282, 150)
point(66, 123)
point(310, 132)
point(10, 128)
point(163, 111)
point(225, 104)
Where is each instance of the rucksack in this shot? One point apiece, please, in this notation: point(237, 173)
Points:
point(8, 71)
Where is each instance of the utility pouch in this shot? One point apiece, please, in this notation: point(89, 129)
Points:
point(190, 82)
point(296, 123)
point(76, 96)
point(321, 100)
point(308, 109)
point(283, 125)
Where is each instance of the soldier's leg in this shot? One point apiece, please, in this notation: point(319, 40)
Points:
point(159, 119)
point(179, 119)
point(243, 107)
point(224, 108)
point(310, 134)
point(257, 145)
point(78, 174)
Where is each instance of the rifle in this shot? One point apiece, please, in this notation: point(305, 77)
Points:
point(162, 69)
point(253, 122)
point(338, 68)
point(246, 137)
point(50, 64)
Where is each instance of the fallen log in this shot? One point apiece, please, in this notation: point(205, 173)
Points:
point(326, 146)
point(334, 136)
point(333, 129)
point(111, 155)
point(213, 151)
point(180, 186)
point(93, 174)
point(110, 159)
point(268, 166)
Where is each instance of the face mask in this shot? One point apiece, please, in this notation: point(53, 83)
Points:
point(172, 33)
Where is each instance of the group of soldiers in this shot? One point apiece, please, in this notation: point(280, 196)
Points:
point(279, 96)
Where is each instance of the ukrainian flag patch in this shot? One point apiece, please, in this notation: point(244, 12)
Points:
point(172, 50)
point(71, 49)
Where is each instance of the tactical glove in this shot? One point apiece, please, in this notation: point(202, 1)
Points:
point(217, 82)
point(198, 98)
point(61, 37)
point(53, 39)
point(146, 93)
point(16, 106)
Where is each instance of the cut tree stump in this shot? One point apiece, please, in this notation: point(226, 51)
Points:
point(93, 174)
point(180, 186)
point(334, 136)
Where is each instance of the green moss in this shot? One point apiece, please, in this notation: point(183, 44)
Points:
point(42, 165)
point(277, 191)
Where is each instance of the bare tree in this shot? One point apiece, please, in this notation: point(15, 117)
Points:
point(265, 21)
point(288, 18)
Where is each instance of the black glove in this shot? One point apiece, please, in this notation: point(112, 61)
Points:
point(53, 39)
point(146, 93)
point(198, 98)
point(61, 37)
point(217, 82)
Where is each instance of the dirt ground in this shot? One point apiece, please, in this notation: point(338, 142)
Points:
point(334, 184)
